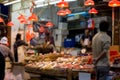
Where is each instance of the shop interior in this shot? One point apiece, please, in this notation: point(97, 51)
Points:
point(53, 34)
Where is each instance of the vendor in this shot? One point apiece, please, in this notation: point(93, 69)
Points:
point(17, 44)
point(86, 39)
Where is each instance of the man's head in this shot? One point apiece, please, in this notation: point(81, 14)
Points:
point(87, 31)
point(4, 40)
point(104, 26)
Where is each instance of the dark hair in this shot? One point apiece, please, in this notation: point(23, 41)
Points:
point(104, 26)
point(18, 36)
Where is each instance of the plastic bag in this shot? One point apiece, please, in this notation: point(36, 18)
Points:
point(9, 75)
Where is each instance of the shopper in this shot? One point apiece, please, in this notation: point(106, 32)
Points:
point(19, 42)
point(100, 46)
point(4, 52)
point(86, 39)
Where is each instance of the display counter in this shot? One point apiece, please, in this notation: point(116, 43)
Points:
point(67, 74)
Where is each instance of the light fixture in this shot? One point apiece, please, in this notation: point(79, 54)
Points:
point(61, 12)
point(93, 11)
point(33, 17)
point(21, 17)
point(67, 11)
point(49, 24)
point(23, 21)
point(10, 23)
point(42, 3)
point(1, 19)
point(63, 4)
point(114, 3)
point(89, 3)
point(12, 2)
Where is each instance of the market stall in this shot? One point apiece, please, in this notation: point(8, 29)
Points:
point(59, 65)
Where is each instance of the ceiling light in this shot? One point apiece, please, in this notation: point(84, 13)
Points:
point(12, 2)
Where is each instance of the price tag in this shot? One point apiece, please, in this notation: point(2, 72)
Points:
point(84, 76)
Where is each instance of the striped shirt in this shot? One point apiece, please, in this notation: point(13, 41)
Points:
point(6, 52)
point(100, 44)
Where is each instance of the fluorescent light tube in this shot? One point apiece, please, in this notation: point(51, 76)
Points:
point(12, 2)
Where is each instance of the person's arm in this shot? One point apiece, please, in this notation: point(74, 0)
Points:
point(106, 47)
point(81, 40)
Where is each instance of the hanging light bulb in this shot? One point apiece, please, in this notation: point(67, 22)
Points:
point(63, 4)
point(61, 13)
point(93, 11)
point(89, 3)
point(1, 19)
point(67, 11)
point(10, 23)
point(33, 17)
point(49, 24)
point(114, 3)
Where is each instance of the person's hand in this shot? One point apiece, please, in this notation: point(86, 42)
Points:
point(94, 61)
point(12, 66)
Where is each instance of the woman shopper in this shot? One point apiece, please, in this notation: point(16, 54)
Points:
point(4, 52)
point(19, 42)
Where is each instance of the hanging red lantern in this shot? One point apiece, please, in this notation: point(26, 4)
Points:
point(89, 3)
point(67, 11)
point(1, 19)
point(93, 11)
point(41, 29)
point(33, 17)
point(23, 22)
point(63, 4)
point(49, 24)
point(114, 3)
point(10, 23)
point(61, 13)
point(21, 17)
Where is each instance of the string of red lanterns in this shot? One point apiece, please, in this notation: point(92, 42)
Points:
point(93, 11)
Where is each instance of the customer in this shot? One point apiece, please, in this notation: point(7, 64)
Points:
point(100, 46)
point(86, 39)
point(17, 44)
point(4, 52)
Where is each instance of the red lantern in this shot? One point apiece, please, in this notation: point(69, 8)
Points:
point(61, 13)
point(10, 23)
point(21, 17)
point(89, 3)
point(67, 11)
point(23, 21)
point(93, 11)
point(49, 24)
point(114, 3)
point(63, 4)
point(33, 17)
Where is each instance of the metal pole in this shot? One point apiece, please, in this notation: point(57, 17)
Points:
point(112, 25)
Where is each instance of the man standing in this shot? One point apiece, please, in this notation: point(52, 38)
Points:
point(100, 46)
point(4, 52)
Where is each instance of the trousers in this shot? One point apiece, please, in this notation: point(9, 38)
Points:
point(2, 66)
